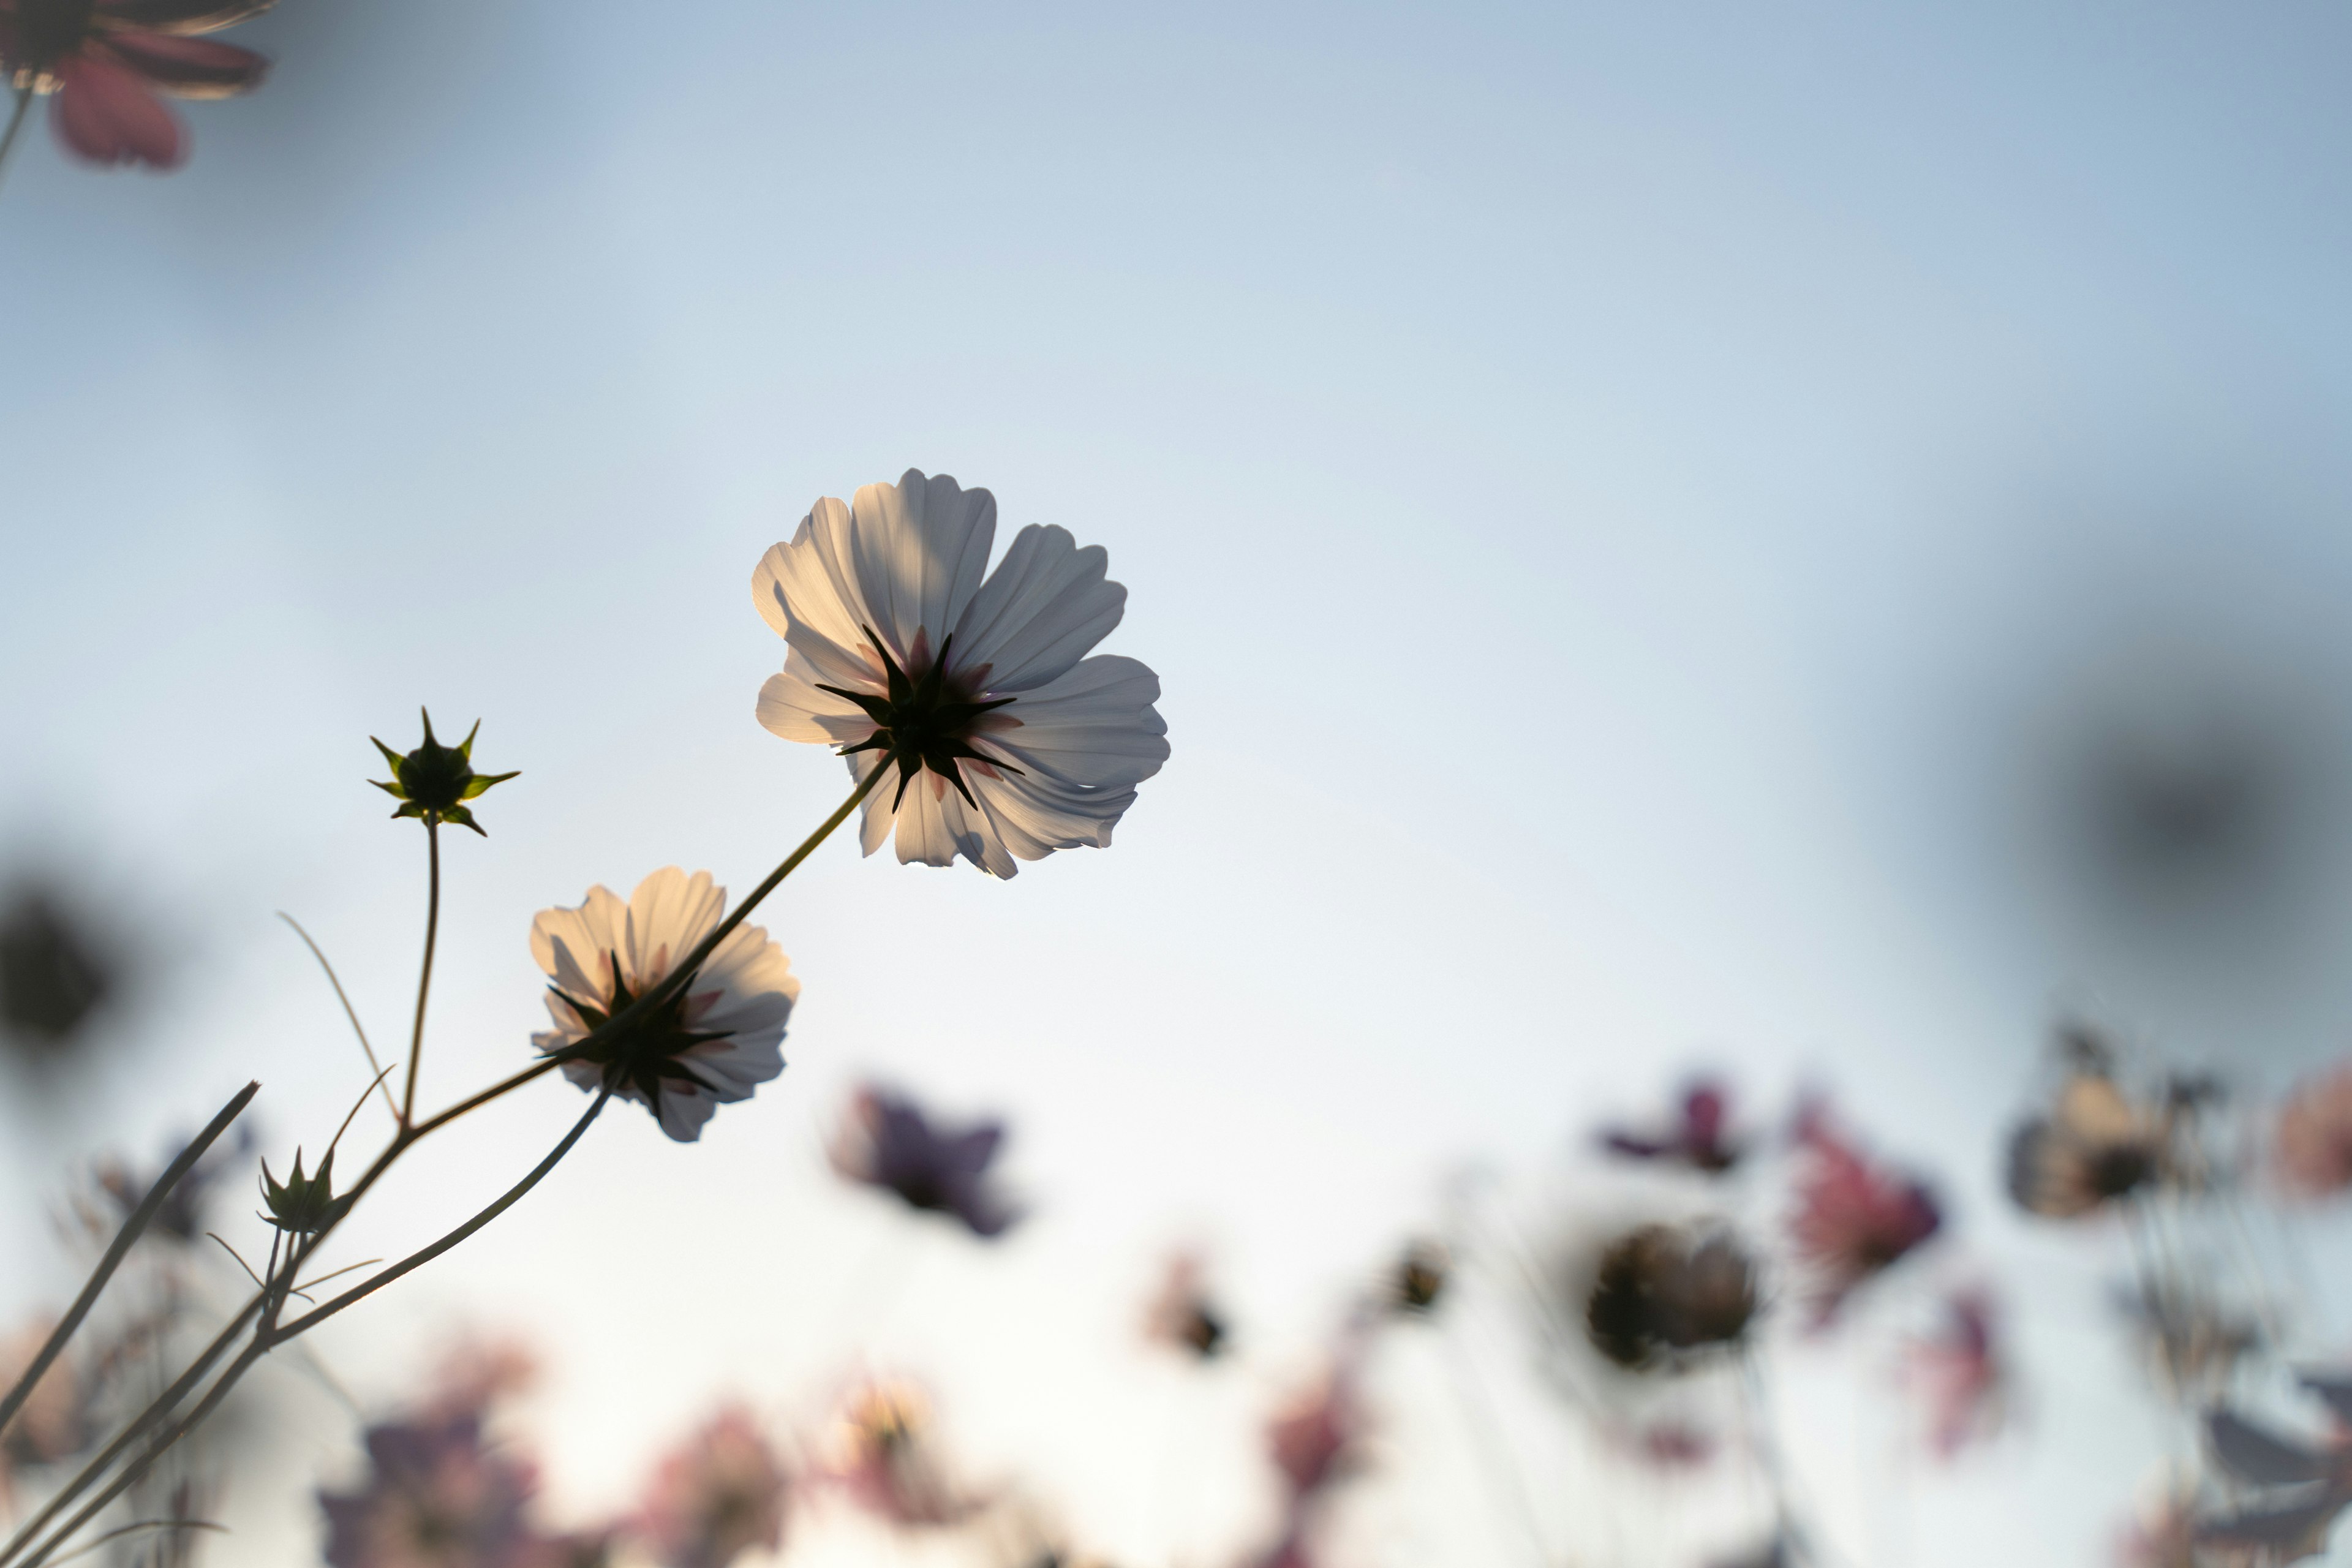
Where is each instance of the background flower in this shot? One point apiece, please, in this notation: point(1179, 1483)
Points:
point(108, 61)
point(1855, 1219)
point(886, 1141)
point(717, 1496)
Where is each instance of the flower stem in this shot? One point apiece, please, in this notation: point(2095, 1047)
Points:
point(424, 979)
point(16, 123)
point(123, 1239)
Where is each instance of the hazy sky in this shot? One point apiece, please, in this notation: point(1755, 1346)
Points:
point(1647, 518)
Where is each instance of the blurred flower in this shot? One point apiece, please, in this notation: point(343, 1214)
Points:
point(1313, 1439)
point(182, 1213)
point(2308, 1486)
point(434, 782)
point(1662, 1295)
point(901, 654)
point(435, 1498)
point(709, 1045)
point(716, 1497)
point(2312, 1144)
point(1961, 1372)
point(54, 971)
point(2192, 1342)
point(2096, 1144)
point(1696, 1139)
point(880, 1455)
point(1419, 1277)
point(1853, 1219)
point(478, 1373)
point(886, 1141)
point(56, 1421)
point(1180, 1315)
point(106, 60)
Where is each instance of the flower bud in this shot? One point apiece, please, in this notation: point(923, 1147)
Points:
point(433, 781)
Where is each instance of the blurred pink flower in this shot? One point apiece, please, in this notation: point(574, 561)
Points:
point(1960, 1373)
point(56, 1421)
point(1697, 1138)
point(880, 1456)
point(886, 1141)
point(1180, 1315)
point(436, 1498)
point(1313, 1439)
point(478, 1373)
point(712, 1044)
point(1853, 1219)
point(717, 1496)
point(107, 61)
point(2312, 1144)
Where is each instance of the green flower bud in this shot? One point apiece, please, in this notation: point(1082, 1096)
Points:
point(433, 781)
point(302, 1206)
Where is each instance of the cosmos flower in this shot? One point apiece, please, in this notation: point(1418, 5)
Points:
point(881, 1456)
point(1960, 1373)
point(886, 1141)
point(711, 1044)
point(1008, 742)
point(2095, 1146)
point(1696, 1139)
point(716, 1497)
point(1313, 1439)
point(2310, 1145)
point(107, 61)
point(435, 1498)
point(1855, 1219)
point(1664, 1296)
point(1181, 1315)
point(2307, 1486)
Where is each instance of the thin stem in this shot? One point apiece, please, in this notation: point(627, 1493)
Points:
point(16, 123)
point(423, 1256)
point(424, 979)
point(476, 1101)
point(123, 1239)
point(348, 1010)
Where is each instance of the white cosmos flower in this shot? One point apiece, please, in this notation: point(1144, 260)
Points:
point(1011, 742)
point(711, 1046)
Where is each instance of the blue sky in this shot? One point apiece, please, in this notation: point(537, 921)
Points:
point(1631, 508)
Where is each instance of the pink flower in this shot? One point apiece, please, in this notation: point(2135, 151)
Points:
point(1313, 1439)
point(717, 1496)
point(1696, 1139)
point(1181, 1315)
point(1855, 1219)
point(2312, 1150)
point(106, 61)
point(56, 1421)
point(880, 1456)
point(1960, 1373)
point(438, 1498)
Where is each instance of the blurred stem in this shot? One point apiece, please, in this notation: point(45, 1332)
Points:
point(424, 979)
point(16, 124)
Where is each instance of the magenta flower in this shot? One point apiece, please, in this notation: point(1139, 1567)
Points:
point(1313, 1440)
point(1855, 1219)
point(1696, 1139)
point(436, 1498)
point(2312, 1147)
point(106, 61)
point(886, 1141)
point(1960, 1373)
point(717, 1496)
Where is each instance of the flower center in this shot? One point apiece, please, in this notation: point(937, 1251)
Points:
point(648, 1052)
point(924, 720)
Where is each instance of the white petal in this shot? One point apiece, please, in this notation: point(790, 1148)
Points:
point(791, 706)
point(807, 590)
point(1041, 610)
point(1095, 727)
point(920, 546)
point(873, 825)
point(668, 913)
point(683, 1114)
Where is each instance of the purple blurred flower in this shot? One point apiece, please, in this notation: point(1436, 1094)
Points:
point(886, 1141)
point(717, 1496)
point(108, 61)
point(1696, 1140)
point(436, 1498)
point(1960, 1373)
point(1855, 1219)
point(1314, 1438)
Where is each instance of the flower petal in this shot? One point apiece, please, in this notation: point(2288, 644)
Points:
point(1041, 610)
point(919, 547)
point(791, 706)
point(189, 68)
point(807, 592)
point(106, 114)
point(668, 913)
point(181, 16)
point(1095, 727)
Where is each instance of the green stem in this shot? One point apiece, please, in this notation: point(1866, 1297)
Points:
point(424, 979)
point(16, 123)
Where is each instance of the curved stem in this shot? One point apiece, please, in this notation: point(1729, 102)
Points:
point(424, 979)
point(123, 1239)
point(16, 123)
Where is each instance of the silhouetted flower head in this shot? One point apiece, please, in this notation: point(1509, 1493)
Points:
point(436, 1497)
point(1181, 1314)
point(107, 61)
point(55, 972)
point(716, 1497)
point(182, 1215)
point(1009, 742)
point(434, 782)
point(1960, 1373)
point(881, 1455)
point(1855, 1219)
point(1697, 1138)
point(2095, 1143)
point(886, 1141)
point(1418, 1278)
point(1663, 1295)
point(301, 1204)
point(2310, 1145)
point(2302, 1486)
point(711, 1044)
